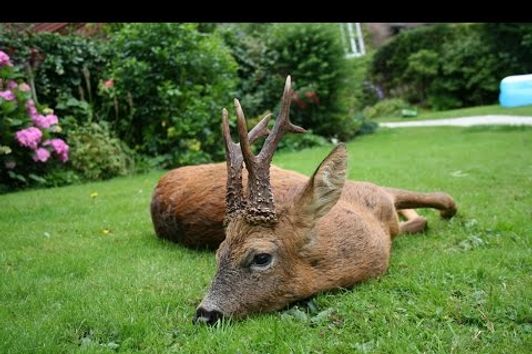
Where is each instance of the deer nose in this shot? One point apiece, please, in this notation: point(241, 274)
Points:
point(206, 316)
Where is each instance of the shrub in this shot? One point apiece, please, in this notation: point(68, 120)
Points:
point(390, 62)
point(468, 73)
point(29, 142)
point(312, 54)
point(96, 153)
point(294, 142)
point(386, 108)
point(248, 45)
point(63, 68)
point(165, 89)
point(357, 90)
point(365, 125)
point(451, 66)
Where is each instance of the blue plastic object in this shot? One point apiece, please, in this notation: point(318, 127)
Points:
point(516, 91)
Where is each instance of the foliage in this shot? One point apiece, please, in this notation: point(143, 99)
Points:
point(248, 45)
point(390, 64)
point(448, 66)
point(165, 89)
point(365, 124)
point(511, 43)
point(294, 142)
point(63, 67)
point(312, 54)
point(29, 143)
point(386, 107)
point(97, 154)
point(357, 90)
point(469, 74)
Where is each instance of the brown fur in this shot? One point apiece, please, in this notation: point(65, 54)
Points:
point(330, 233)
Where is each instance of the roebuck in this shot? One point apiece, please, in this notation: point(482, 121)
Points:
point(285, 237)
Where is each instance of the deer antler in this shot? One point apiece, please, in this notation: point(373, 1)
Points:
point(233, 154)
point(260, 207)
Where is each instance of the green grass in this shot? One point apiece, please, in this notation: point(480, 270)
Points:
point(465, 112)
point(82, 273)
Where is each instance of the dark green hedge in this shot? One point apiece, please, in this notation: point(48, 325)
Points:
point(312, 54)
point(449, 66)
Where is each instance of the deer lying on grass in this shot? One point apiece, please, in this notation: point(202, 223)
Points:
point(287, 236)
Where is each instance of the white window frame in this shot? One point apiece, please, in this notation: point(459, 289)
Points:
point(353, 39)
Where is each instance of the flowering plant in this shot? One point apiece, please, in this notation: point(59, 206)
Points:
point(28, 136)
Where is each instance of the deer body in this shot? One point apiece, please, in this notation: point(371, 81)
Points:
point(282, 236)
point(188, 204)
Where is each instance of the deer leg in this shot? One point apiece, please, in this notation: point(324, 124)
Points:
point(410, 200)
point(414, 222)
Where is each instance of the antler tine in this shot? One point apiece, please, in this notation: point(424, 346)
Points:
point(233, 198)
point(261, 129)
point(282, 125)
point(245, 144)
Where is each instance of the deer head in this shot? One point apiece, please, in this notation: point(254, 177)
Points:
point(263, 263)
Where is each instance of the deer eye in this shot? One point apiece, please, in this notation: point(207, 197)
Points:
point(262, 259)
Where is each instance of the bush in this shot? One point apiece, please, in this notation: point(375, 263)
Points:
point(452, 66)
point(386, 108)
point(357, 90)
point(29, 142)
point(365, 125)
point(165, 89)
point(63, 68)
point(248, 45)
point(312, 54)
point(97, 154)
point(468, 73)
point(294, 142)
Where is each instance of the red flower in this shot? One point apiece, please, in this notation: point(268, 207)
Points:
point(108, 84)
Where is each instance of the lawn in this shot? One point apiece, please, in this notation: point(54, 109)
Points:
point(465, 112)
point(82, 270)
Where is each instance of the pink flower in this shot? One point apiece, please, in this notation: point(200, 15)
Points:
point(29, 137)
point(32, 111)
point(40, 121)
point(109, 83)
point(4, 59)
point(59, 147)
point(7, 95)
point(11, 85)
point(24, 87)
point(41, 154)
point(44, 122)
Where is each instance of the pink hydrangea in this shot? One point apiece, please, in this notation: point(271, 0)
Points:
point(7, 95)
point(59, 147)
point(41, 154)
point(11, 85)
point(52, 119)
point(44, 122)
point(29, 137)
point(30, 106)
point(24, 87)
point(4, 59)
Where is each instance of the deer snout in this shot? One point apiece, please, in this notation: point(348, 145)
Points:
point(207, 316)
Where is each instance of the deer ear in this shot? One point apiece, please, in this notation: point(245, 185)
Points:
point(324, 187)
